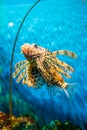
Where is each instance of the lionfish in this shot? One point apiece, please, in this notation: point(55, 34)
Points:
point(42, 66)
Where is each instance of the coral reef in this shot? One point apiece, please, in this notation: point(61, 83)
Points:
point(8, 122)
point(12, 123)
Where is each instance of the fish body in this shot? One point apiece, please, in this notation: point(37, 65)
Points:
point(42, 66)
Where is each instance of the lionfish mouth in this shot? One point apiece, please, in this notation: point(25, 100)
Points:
point(24, 48)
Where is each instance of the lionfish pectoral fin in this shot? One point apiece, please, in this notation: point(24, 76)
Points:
point(20, 63)
point(24, 80)
point(65, 52)
point(21, 76)
point(19, 68)
point(27, 81)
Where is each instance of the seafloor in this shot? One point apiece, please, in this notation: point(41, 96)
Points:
point(55, 25)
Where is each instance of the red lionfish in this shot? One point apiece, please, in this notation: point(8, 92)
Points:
point(42, 66)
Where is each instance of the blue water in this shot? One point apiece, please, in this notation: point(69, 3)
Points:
point(55, 25)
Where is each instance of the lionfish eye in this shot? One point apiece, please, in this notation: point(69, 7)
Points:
point(35, 46)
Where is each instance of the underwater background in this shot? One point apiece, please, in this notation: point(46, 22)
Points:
point(55, 25)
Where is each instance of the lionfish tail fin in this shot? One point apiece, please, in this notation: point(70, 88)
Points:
point(66, 92)
point(65, 52)
point(64, 85)
point(69, 89)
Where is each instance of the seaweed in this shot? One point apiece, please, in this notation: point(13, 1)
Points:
point(12, 55)
point(57, 125)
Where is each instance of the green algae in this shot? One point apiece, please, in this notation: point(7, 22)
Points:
point(57, 125)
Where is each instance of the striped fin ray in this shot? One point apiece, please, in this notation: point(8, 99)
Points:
point(19, 69)
point(58, 69)
point(62, 64)
point(29, 79)
point(43, 70)
point(24, 81)
point(55, 78)
point(20, 63)
point(45, 73)
point(21, 76)
point(64, 52)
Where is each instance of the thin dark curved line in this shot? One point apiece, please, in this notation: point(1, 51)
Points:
point(12, 56)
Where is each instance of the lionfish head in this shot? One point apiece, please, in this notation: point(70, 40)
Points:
point(26, 49)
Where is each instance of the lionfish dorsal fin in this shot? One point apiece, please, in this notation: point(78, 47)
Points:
point(65, 52)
